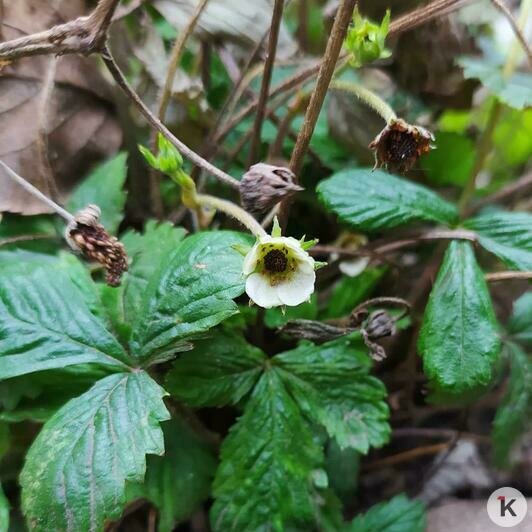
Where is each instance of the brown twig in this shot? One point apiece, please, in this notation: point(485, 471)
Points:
point(157, 124)
point(506, 276)
point(83, 35)
point(518, 33)
point(325, 74)
point(509, 190)
point(277, 16)
point(406, 456)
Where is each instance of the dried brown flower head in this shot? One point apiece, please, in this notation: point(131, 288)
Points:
point(86, 235)
point(399, 145)
point(264, 185)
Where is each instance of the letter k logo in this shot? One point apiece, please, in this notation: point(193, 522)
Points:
point(506, 506)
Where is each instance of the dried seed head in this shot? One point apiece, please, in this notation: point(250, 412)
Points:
point(264, 185)
point(86, 235)
point(399, 145)
point(379, 325)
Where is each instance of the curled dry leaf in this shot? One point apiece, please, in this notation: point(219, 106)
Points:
point(78, 126)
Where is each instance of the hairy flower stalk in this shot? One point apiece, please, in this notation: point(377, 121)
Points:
point(400, 144)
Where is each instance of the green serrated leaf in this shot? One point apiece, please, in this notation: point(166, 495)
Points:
point(513, 415)
point(459, 340)
point(507, 235)
point(147, 252)
point(520, 324)
point(179, 481)
point(515, 90)
point(219, 371)
point(332, 385)
point(191, 292)
point(373, 199)
point(267, 460)
point(399, 514)
point(104, 187)
point(75, 471)
point(45, 323)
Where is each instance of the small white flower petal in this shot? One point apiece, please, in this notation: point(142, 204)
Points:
point(260, 291)
point(352, 268)
point(251, 259)
point(298, 289)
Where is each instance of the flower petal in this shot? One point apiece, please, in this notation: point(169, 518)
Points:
point(251, 259)
point(260, 291)
point(298, 289)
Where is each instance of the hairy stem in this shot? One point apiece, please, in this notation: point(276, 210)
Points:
point(233, 210)
point(368, 97)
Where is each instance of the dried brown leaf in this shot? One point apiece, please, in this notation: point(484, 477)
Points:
point(78, 123)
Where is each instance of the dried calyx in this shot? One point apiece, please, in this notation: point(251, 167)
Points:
point(86, 235)
point(399, 145)
point(264, 185)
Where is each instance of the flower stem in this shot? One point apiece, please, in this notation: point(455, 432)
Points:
point(37, 193)
point(368, 97)
point(233, 210)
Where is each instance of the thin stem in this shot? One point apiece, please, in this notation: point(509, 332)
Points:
point(175, 56)
point(518, 33)
point(157, 124)
point(266, 79)
point(37, 193)
point(505, 276)
point(326, 71)
point(368, 97)
point(233, 210)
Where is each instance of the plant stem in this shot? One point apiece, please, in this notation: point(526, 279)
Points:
point(157, 124)
point(37, 193)
point(233, 210)
point(266, 79)
point(505, 276)
point(326, 71)
point(368, 97)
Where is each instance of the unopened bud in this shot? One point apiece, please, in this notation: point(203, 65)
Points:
point(264, 185)
point(380, 324)
point(86, 235)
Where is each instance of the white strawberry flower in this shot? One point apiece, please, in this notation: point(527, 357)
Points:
point(279, 271)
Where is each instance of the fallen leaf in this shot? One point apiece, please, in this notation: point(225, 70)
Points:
point(79, 125)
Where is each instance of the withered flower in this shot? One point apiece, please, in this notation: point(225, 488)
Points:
point(264, 185)
point(399, 145)
point(86, 235)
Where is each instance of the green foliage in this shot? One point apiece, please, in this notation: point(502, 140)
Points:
point(4, 511)
point(46, 323)
point(514, 90)
point(343, 468)
point(520, 324)
point(276, 317)
point(350, 291)
point(219, 371)
point(459, 340)
point(396, 515)
point(168, 159)
point(373, 199)
point(179, 481)
point(452, 162)
point(506, 234)
point(365, 40)
point(190, 292)
point(332, 386)
point(513, 415)
point(75, 471)
point(264, 481)
point(104, 187)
